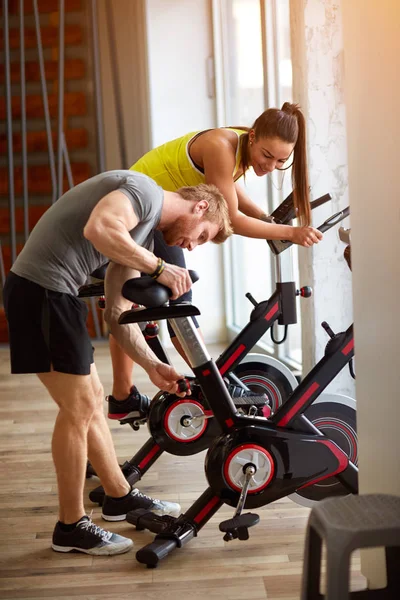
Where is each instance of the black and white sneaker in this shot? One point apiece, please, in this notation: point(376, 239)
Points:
point(89, 538)
point(116, 509)
point(135, 406)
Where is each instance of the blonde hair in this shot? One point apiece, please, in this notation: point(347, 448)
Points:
point(217, 211)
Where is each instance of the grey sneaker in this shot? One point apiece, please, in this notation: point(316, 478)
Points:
point(116, 510)
point(89, 538)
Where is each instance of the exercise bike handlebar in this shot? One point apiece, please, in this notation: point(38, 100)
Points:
point(91, 290)
point(286, 212)
point(278, 246)
point(334, 220)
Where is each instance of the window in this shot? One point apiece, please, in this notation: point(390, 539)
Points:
point(253, 71)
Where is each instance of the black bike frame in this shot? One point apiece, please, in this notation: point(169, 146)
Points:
point(290, 414)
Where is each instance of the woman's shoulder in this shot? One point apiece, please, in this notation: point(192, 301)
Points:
point(221, 137)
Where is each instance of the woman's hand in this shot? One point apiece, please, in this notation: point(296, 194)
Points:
point(176, 279)
point(306, 236)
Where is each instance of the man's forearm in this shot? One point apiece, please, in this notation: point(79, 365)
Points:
point(130, 338)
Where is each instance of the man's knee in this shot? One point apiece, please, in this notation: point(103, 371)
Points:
point(111, 316)
point(83, 404)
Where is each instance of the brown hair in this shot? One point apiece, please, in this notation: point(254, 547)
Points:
point(289, 125)
point(217, 211)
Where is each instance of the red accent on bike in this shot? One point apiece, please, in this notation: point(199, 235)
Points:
point(232, 359)
point(342, 460)
point(348, 348)
point(347, 431)
point(204, 512)
point(266, 411)
point(149, 456)
point(171, 433)
point(240, 449)
point(271, 313)
point(206, 372)
point(229, 422)
point(300, 402)
point(117, 416)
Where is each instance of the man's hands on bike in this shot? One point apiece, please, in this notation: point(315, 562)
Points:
point(166, 378)
point(176, 279)
point(306, 236)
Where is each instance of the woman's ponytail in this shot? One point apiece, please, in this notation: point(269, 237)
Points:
point(300, 182)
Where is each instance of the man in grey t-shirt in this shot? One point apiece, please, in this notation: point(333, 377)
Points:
point(108, 218)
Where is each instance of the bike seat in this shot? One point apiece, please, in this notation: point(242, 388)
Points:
point(157, 314)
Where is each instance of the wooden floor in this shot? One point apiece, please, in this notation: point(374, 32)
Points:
point(268, 565)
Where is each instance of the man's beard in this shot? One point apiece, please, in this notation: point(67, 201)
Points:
point(177, 231)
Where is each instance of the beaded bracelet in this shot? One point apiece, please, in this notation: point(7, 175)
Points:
point(159, 269)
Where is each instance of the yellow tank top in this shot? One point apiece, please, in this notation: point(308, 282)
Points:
point(171, 166)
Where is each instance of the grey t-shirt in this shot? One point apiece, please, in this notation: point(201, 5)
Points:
point(58, 257)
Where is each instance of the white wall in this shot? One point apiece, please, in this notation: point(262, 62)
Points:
point(179, 37)
point(372, 87)
point(317, 56)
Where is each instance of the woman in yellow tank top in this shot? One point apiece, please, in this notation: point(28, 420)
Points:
point(221, 156)
point(171, 165)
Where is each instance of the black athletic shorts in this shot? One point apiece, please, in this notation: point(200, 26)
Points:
point(46, 329)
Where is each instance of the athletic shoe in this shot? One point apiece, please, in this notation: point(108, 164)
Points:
point(89, 538)
point(116, 509)
point(136, 405)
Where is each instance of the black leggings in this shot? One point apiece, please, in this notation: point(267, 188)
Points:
point(173, 255)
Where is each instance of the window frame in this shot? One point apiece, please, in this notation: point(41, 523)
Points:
point(272, 97)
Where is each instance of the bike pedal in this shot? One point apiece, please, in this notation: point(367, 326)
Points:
point(247, 401)
point(134, 422)
point(142, 519)
point(237, 528)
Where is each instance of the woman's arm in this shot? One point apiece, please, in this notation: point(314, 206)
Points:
point(246, 204)
point(219, 163)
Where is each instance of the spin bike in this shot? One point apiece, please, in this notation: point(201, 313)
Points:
point(185, 426)
point(260, 373)
point(254, 461)
point(270, 380)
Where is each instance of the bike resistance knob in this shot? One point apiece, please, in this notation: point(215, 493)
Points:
point(183, 385)
point(304, 292)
